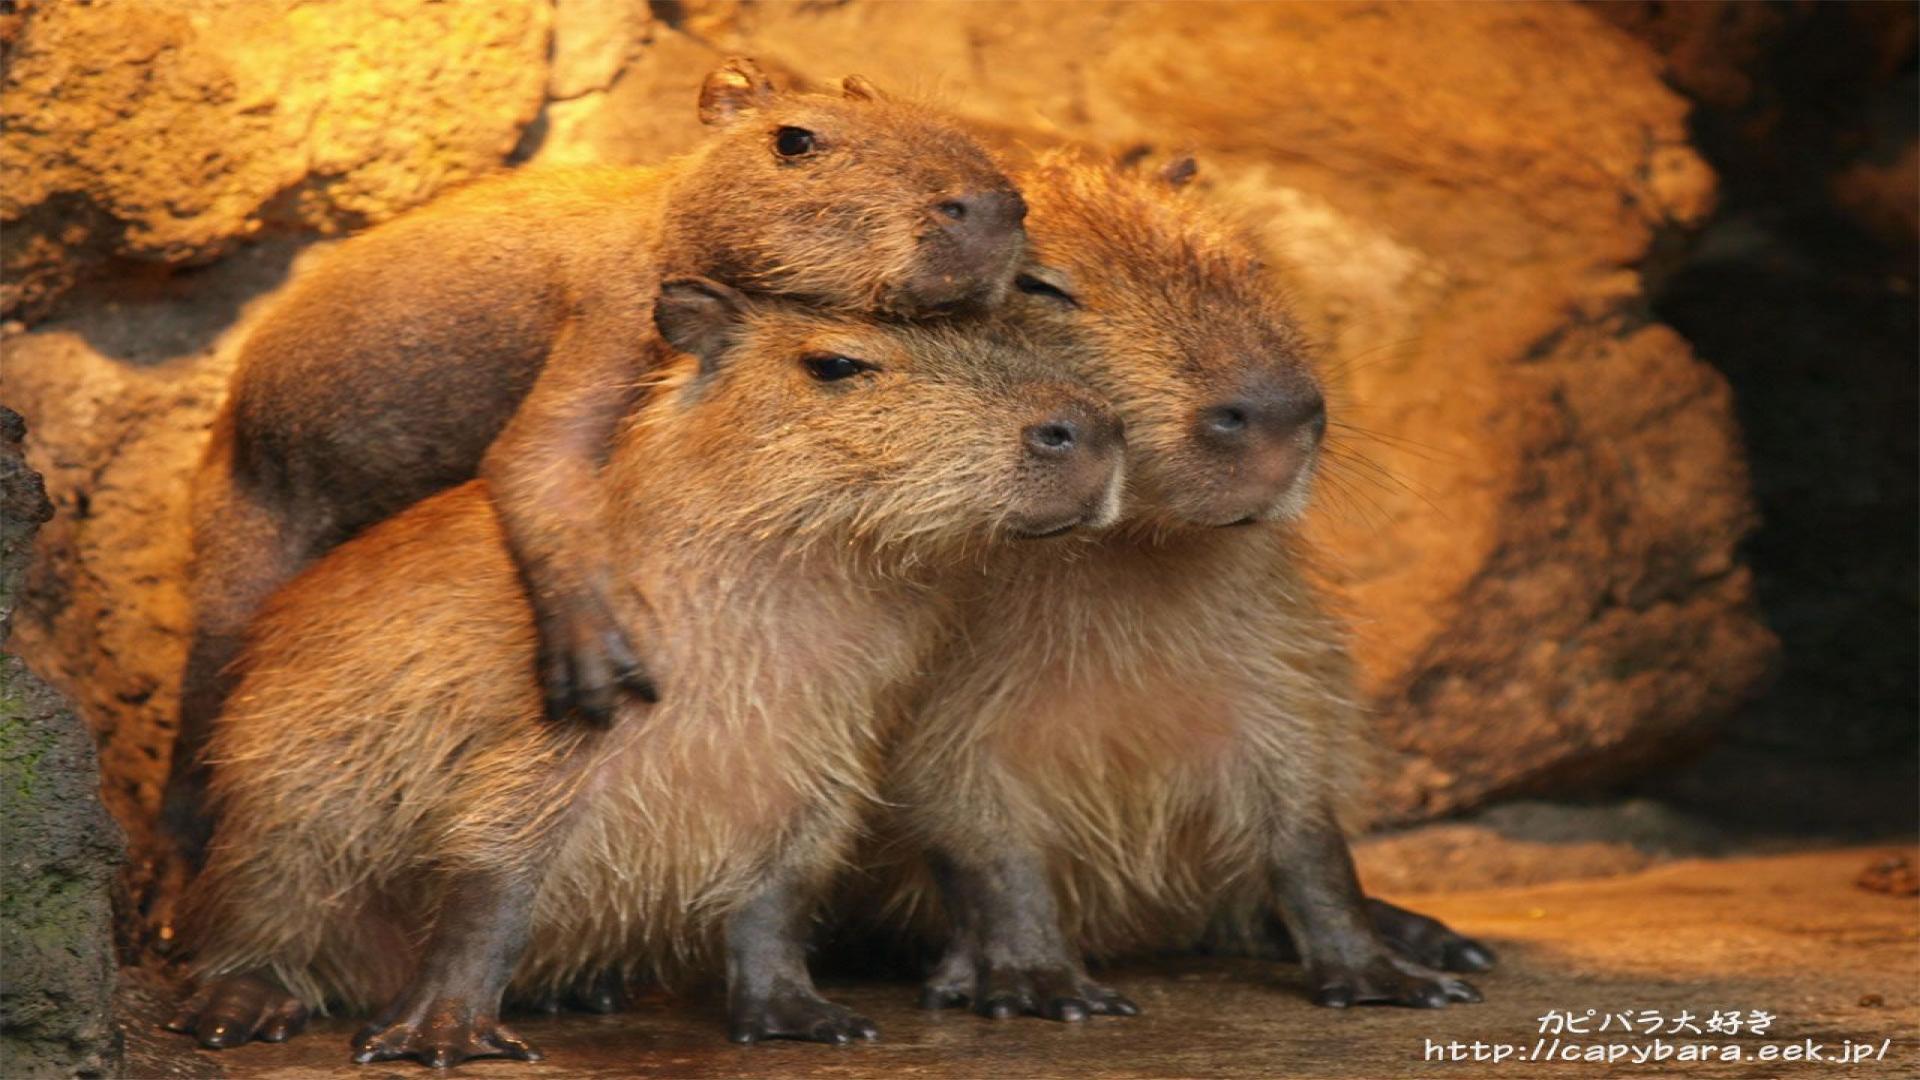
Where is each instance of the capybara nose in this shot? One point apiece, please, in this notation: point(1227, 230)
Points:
point(1075, 455)
point(1053, 439)
point(984, 213)
point(1074, 430)
point(1268, 413)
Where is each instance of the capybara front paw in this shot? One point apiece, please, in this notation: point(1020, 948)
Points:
point(442, 1035)
point(1428, 941)
point(1052, 993)
point(796, 1015)
point(1389, 981)
point(232, 1010)
point(587, 665)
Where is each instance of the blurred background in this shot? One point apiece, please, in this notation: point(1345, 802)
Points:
point(1617, 303)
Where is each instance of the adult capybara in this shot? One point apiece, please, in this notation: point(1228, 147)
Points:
point(1146, 740)
point(503, 330)
point(787, 505)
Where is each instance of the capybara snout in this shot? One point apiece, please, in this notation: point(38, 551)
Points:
point(971, 252)
point(1266, 435)
point(1073, 465)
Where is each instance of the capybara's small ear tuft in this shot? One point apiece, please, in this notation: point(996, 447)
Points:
point(860, 88)
point(733, 90)
point(1180, 171)
point(699, 317)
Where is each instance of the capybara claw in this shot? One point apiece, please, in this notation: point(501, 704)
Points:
point(1467, 955)
point(1050, 993)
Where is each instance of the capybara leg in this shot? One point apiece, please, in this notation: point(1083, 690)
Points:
point(770, 993)
point(229, 1011)
point(451, 1010)
point(543, 473)
point(1008, 932)
point(955, 979)
point(1347, 961)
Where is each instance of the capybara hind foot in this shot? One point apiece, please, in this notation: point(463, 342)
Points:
point(1052, 993)
point(1388, 980)
point(795, 1013)
point(1428, 941)
point(1425, 941)
point(232, 1010)
point(440, 1033)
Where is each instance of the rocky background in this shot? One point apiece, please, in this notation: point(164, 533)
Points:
point(1547, 318)
point(61, 852)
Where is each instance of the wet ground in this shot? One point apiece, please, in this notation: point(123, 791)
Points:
point(1836, 966)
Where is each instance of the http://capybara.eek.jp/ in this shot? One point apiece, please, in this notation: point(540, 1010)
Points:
point(788, 505)
point(502, 331)
point(1201, 740)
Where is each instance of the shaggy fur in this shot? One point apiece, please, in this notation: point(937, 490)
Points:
point(787, 534)
point(1154, 712)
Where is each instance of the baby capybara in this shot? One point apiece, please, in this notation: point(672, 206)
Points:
point(786, 500)
point(503, 330)
point(1146, 741)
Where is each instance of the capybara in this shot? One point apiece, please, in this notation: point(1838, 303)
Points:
point(786, 504)
point(503, 330)
point(1146, 740)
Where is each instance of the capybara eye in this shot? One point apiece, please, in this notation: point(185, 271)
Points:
point(793, 141)
point(828, 367)
point(1033, 286)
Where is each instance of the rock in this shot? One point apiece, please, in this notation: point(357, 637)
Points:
point(166, 133)
point(1532, 843)
point(1538, 494)
point(592, 42)
point(62, 851)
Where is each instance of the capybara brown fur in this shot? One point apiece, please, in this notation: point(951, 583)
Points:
point(787, 504)
point(1149, 739)
point(502, 330)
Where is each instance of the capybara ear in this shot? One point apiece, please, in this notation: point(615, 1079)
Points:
point(1180, 171)
point(698, 316)
point(860, 88)
point(733, 90)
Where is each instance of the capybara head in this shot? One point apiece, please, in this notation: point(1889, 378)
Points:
point(864, 433)
point(1184, 333)
point(850, 200)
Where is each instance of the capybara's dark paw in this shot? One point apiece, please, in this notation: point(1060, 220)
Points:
point(1052, 993)
point(233, 1010)
point(1389, 980)
point(1428, 941)
point(796, 1014)
point(587, 665)
point(441, 1034)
